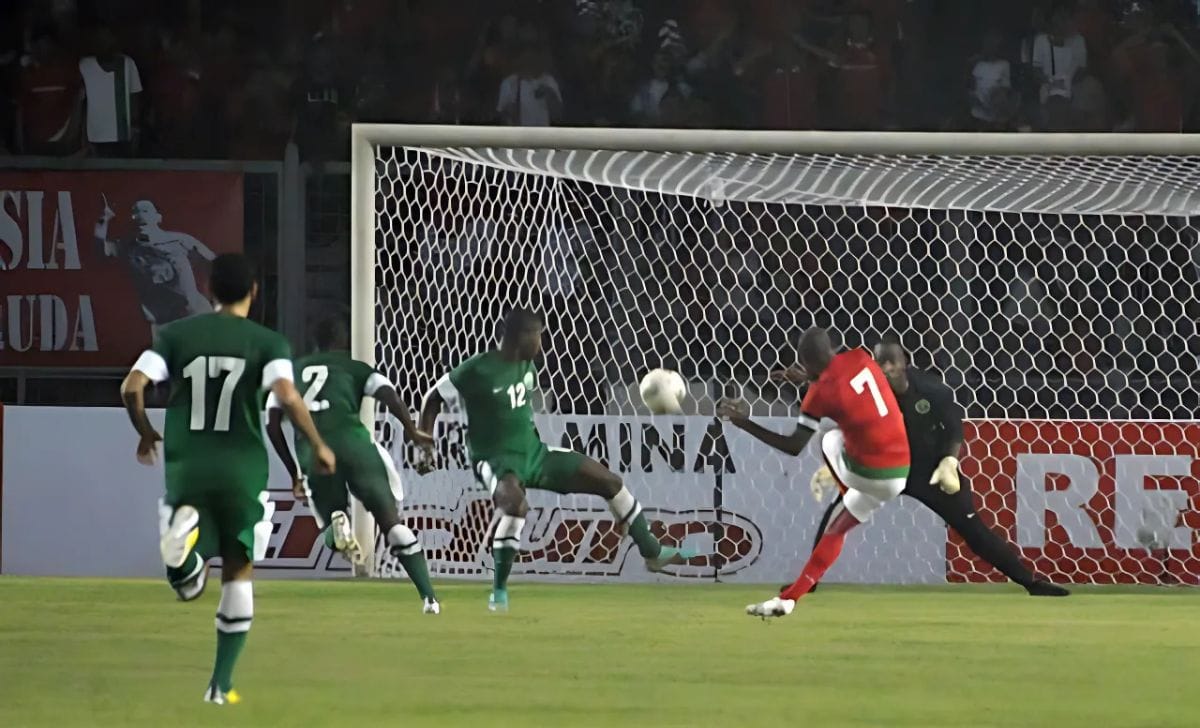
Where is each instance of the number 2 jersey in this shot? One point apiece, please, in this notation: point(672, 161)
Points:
point(334, 385)
point(853, 392)
point(219, 366)
point(496, 396)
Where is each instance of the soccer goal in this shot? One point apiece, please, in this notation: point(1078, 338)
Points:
point(1050, 280)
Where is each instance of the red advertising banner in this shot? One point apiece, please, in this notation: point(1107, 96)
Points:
point(92, 261)
point(1098, 502)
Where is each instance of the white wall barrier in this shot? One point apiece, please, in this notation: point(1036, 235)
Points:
point(76, 503)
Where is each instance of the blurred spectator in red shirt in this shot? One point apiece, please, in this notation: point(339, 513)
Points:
point(789, 89)
point(177, 117)
point(862, 77)
point(1148, 82)
point(49, 99)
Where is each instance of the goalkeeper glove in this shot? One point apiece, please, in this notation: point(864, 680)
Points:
point(946, 475)
point(822, 482)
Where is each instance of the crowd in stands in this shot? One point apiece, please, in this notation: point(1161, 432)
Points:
point(226, 79)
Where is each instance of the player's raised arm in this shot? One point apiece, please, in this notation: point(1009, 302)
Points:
point(735, 412)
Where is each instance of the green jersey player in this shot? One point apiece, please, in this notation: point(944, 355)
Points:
point(334, 386)
point(508, 456)
point(216, 502)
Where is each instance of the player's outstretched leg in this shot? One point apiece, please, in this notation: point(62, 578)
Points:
point(595, 479)
point(373, 480)
point(958, 511)
point(509, 498)
point(234, 615)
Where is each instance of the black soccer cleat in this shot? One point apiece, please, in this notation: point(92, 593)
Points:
point(1043, 588)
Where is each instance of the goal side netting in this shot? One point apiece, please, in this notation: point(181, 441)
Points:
point(1051, 284)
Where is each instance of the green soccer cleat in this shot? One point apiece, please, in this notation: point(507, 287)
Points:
point(669, 556)
point(498, 601)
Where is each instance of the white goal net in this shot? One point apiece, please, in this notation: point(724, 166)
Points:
point(1055, 292)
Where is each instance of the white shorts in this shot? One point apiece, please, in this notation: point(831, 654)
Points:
point(863, 495)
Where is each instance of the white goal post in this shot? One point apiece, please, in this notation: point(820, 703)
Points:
point(1053, 281)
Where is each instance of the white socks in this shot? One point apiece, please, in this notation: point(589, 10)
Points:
point(236, 609)
point(508, 533)
point(624, 507)
point(402, 541)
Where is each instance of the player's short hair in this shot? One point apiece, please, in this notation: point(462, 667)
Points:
point(814, 344)
point(331, 333)
point(232, 278)
point(520, 320)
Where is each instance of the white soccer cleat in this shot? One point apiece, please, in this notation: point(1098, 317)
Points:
point(216, 696)
point(344, 540)
point(773, 607)
point(180, 537)
point(431, 607)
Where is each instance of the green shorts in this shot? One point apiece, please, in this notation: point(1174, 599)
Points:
point(364, 470)
point(545, 468)
point(235, 510)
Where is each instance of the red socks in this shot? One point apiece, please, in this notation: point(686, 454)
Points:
point(826, 552)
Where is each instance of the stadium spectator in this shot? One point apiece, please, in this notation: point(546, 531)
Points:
point(112, 90)
point(992, 101)
point(1059, 58)
point(644, 107)
point(530, 97)
point(1148, 74)
point(177, 119)
point(49, 99)
point(862, 78)
point(323, 111)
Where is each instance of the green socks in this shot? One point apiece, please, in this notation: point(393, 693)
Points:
point(234, 614)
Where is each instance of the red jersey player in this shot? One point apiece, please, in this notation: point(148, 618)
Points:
point(867, 454)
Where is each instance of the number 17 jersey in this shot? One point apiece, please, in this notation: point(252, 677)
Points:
point(496, 395)
point(853, 392)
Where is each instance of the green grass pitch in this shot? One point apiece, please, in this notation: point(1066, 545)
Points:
point(345, 653)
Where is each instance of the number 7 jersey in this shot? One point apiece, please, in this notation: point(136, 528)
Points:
point(496, 395)
point(853, 392)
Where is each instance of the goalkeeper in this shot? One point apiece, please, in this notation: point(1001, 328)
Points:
point(935, 435)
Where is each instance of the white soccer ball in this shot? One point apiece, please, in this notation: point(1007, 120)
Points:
point(663, 390)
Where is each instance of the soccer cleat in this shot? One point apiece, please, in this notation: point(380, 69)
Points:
point(180, 537)
point(773, 607)
point(216, 696)
point(669, 556)
point(1043, 588)
point(192, 589)
point(344, 540)
point(498, 601)
point(431, 606)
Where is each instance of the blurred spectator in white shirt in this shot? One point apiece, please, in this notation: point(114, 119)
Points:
point(992, 101)
point(1059, 58)
point(112, 88)
point(530, 97)
point(644, 107)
